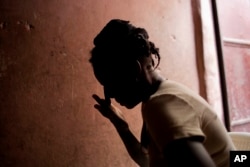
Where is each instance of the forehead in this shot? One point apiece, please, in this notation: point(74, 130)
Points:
point(113, 75)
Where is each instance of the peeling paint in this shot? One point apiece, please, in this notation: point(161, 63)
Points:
point(235, 34)
point(3, 25)
point(26, 25)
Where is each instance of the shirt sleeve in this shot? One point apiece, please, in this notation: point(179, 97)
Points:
point(169, 117)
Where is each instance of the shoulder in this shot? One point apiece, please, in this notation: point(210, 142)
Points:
point(169, 117)
point(169, 94)
point(167, 106)
point(170, 87)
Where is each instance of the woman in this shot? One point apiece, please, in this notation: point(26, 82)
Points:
point(179, 126)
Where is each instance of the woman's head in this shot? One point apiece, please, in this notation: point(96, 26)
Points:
point(116, 58)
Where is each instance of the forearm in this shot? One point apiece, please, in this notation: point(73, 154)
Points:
point(191, 153)
point(132, 145)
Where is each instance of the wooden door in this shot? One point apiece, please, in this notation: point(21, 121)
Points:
point(234, 21)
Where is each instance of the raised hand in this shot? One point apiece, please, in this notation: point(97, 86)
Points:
point(111, 112)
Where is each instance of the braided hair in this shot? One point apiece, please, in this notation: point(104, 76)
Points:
point(119, 42)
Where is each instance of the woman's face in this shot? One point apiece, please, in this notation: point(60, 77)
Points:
point(121, 85)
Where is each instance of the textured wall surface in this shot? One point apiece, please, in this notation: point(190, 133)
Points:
point(46, 110)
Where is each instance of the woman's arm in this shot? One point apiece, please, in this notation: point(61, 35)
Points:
point(133, 146)
point(188, 152)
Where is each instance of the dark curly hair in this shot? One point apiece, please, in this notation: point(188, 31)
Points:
point(120, 42)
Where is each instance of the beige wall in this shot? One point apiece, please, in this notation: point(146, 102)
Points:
point(46, 110)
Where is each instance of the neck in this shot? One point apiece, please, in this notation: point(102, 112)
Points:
point(153, 83)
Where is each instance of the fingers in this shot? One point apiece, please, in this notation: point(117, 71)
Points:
point(98, 107)
point(97, 98)
point(99, 101)
point(109, 111)
point(102, 106)
point(102, 102)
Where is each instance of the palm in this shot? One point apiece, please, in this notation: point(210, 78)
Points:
point(109, 111)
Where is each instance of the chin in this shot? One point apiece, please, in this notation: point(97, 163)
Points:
point(131, 105)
